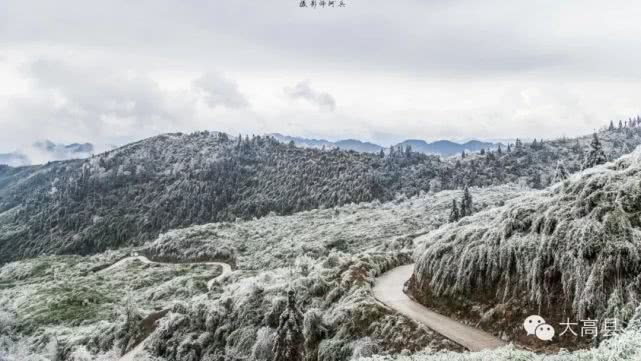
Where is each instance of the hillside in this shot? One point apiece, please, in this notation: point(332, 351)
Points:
point(135, 192)
point(330, 257)
point(132, 194)
point(572, 250)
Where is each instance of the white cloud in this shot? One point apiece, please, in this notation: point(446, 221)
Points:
point(398, 69)
point(220, 91)
point(303, 90)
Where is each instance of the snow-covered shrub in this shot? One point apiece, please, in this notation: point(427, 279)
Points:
point(625, 346)
point(81, 354)
point(7, 322)
point(262, 349)
point(364, 347)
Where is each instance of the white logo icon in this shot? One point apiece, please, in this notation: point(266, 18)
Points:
point(531, 323)
point(545, 332)
point(535, 325)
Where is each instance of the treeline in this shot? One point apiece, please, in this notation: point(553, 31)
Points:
point(131, 194)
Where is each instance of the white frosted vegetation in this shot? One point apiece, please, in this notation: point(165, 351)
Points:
point(622, 347)
point(277, 241)
point(574, 247)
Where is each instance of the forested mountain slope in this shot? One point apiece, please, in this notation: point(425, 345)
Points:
point(133, 193)
point(572, 250)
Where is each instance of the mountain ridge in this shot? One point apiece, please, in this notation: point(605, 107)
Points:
point(439, 147)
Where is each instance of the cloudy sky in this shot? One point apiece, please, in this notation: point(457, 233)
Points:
point(109, 72)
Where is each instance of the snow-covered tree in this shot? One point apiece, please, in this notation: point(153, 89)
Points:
point(289, 334)
point(561, 173)
point(595, 155)
point(454, 213)
point(467, 206)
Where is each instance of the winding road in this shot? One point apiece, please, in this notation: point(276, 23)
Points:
point(388, 289)
point(226, 269)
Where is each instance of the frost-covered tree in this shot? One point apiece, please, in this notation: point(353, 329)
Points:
point(561, 173)
point(454, 213)
point(289, 334)
point(595, 155)
point(467, 206)
point(518, 145)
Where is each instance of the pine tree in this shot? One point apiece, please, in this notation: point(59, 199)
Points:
point(454, 213)
point(463, 154)
point(466, 203)
point(289, 334)
point(561, 173)
point(596, 155)
point(499, 151)
point(381, 154)
point(509, 148)
point(611, 127)
point(620, 125)
point(518, 145)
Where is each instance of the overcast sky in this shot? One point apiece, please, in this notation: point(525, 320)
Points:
point(112, 71)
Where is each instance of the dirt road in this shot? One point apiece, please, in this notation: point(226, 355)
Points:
point(389, 290)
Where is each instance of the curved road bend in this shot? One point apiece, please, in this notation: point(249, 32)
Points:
point(388, 289)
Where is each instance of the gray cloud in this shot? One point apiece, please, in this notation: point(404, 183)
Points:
point(91, 103)
point(462, 37)
point(425, 68)
point(220, 91)
point(303, 90)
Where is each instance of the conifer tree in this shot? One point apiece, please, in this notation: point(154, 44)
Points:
point(454, 213)
point(518, 145)
point(561, 173)
point(611, 127)
point(466, 203)
point(596, 155)
point(289, 334)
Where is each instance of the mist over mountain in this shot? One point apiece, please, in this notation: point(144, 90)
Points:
point(440, 147)
point(46, 151)
point(14, 159)
point(446, 147)
point(345, 144)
